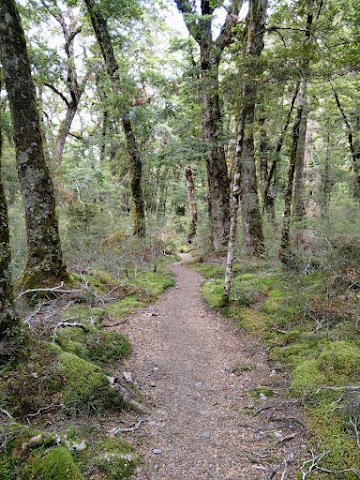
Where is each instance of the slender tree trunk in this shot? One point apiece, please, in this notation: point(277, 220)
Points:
point(44, 263)
point(104, 41)
point(264, 150)
point(192, 204)
point(11, 337)
point(299, 203)
point(245, 182)
point(268, 195)
point(353, 135)
point(63, 133)
point(285, 254)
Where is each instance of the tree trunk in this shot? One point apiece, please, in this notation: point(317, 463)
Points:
point(216, 162)
point(245, 182)
point(192, 204)
point(44, 263)
point(299, 204)
point(251, 217)
point(200, 28)
point(264, 150)
point(285, 254)
point(10, 332)
point(268, 195)
point(104, 41)
point(63, 133)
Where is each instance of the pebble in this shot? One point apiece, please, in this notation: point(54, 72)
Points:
point(157, 451)
point(198, 384)
point(206, 434)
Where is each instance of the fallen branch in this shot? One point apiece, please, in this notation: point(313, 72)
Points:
point(129, 429)
point(276, 405)
point(57, 289)
point(66, 324)
point(285, 470)
point(355, 471)
point(313, 464)
point(43, 409)
point(114, 324)
point(5, 412)
point(353, 422)
point(285, 439)
point(287, 419)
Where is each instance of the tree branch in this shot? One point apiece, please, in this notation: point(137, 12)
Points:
point(61, 95)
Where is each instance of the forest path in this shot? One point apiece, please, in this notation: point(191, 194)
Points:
point(198, 428)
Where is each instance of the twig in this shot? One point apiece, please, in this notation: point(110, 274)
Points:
point(285, 439)
point(57, 289)
point(313, 463)
point(287, 419)
point(129, 429)
point(69, 324)
point(355, 471)
point(43, 409)
point(114, 324)
point(275, 405)
point(353, 422)
point(5, 412)
point(285, 470)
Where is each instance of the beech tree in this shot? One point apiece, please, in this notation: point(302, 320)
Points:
point(200, 25)
point(245, 181)
point(10, 330)
point(102, 34)
point(44, 261)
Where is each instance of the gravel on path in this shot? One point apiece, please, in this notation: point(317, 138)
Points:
point(195, 371)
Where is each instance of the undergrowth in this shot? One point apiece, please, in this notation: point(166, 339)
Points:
point(309, 322)
point(66, 374)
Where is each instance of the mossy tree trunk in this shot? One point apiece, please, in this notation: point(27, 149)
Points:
point(44, 262)
point(200, 28)
point(245, 155)
point(192, 204)
point(10, 331)
point(102, 35)
point(245, 183)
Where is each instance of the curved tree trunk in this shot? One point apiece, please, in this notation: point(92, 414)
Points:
point(44, 262)
point(104, 41)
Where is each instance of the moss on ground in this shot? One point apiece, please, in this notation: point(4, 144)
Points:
point(86, 388)
point(316, 338)
point(98, 346)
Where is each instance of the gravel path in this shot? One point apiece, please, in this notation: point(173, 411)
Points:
point(201, 424)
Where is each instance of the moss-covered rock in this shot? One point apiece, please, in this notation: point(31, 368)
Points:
point(86, 389)
point(111, 457)
point(54, 464)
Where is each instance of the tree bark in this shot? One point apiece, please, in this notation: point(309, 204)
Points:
point(199, 27)
point(245, 182)
point(10, 331)
point(285, 254)
point(192, 204)
point(353, 134)
point(102, 34)
point(44, 262)
point(245, 157)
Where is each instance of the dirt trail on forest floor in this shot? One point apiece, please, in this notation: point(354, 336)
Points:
point(201, 423)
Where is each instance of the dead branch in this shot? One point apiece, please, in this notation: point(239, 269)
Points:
point(43, 409)
point(287, 419)
point(355, 471)
point(313, 463)
point(276, 405)
point(354, 423)
point(114, 324)
point(129, 429)
point(285, 439)
point(66, 324)
point(5, 412)
point(57, 289)
point(283, 475)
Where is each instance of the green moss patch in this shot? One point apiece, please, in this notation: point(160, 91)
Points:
point(153, 283)
point(98, 346)
point(54, 464)
point(86, 389)
point(113, 457)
